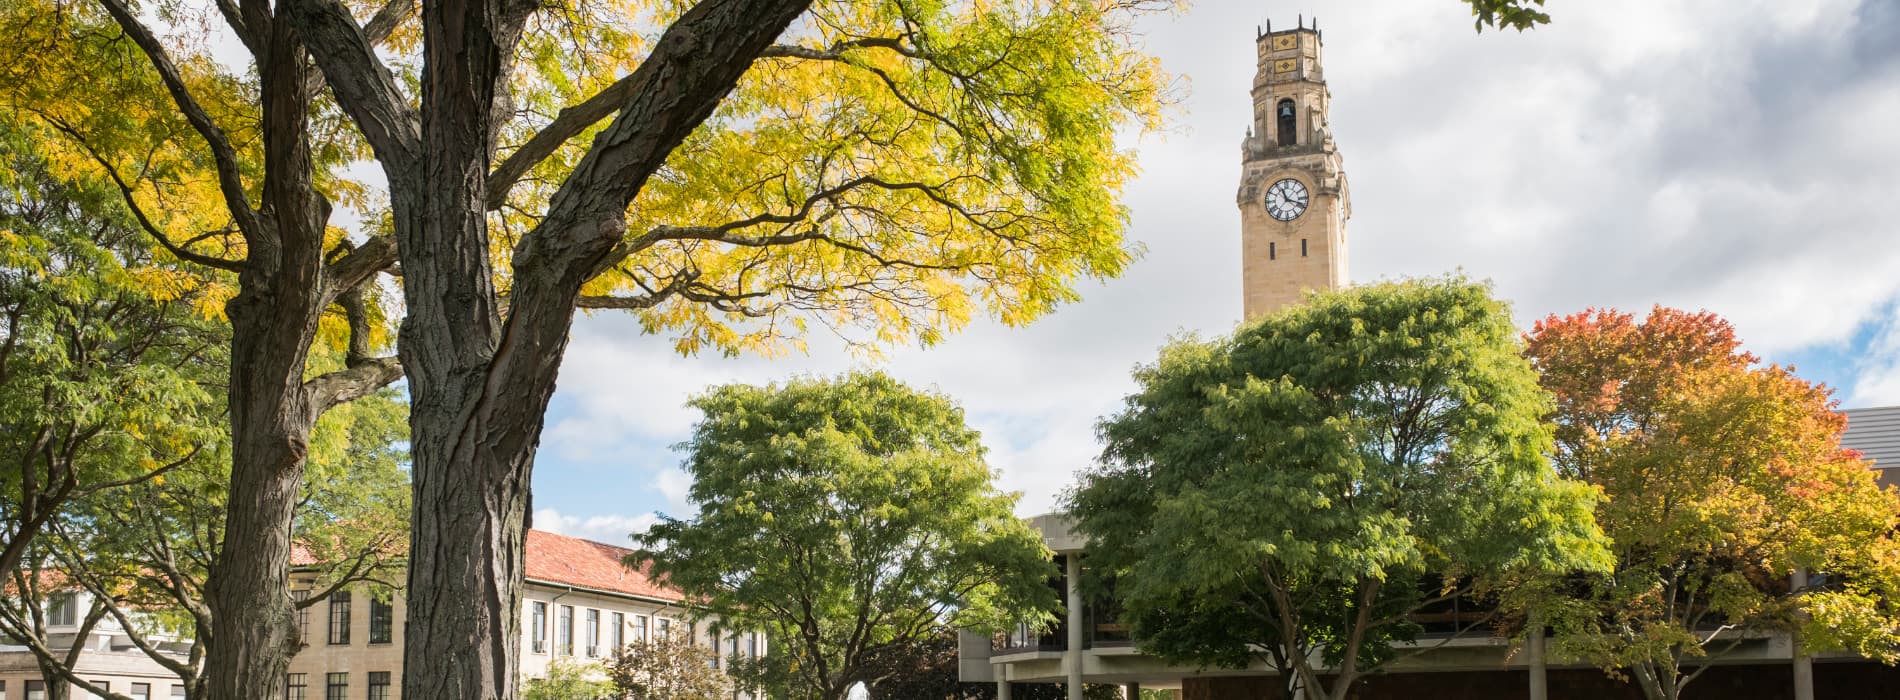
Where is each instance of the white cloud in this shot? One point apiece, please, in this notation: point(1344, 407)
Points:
point(611, 529)
point(1879, 381)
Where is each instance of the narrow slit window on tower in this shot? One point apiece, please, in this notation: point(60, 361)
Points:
point(1271, 254)
point(1287, 122)
point(1302, 247)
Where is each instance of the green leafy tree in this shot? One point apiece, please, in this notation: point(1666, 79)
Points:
point(667, 668)
point(1721, 476)
point(106, 361)
point(847, 518)
point(1320, 463)
point(147, 552)
point(567, 679)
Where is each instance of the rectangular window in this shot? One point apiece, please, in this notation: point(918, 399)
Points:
point(3, 690)
point(1272, 253)
point(618, 638)
point(340, 618)
point(592, 640)
point(303, 614)
point(382, 620)
point(1302, 247)
point(296, 687)
point(336, 686)
point(178, 693)
point(564, 631)
point(62, 610)
point(141, 691)
point(665, 629)
point(752, 645)
point(36, 690)
point(732, 646)
point(639, 628)
point(538, 627)
point(378, 685)
point(104, 686)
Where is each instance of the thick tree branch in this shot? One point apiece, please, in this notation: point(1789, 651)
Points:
point(230, 183)
point(364, 374)
point(358, 264)
point(362, 85)
point(692, 68)
point(570, 122)
point(345, 385)
point(574, 119)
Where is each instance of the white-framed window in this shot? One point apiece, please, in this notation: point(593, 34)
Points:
point(592, 640)
point(617, 638)
point(538, 626)
point(564, 631)
point(639, 628)
point(62, 610)
point(141, 691)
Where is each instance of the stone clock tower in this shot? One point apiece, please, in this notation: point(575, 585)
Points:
point(1293, 197)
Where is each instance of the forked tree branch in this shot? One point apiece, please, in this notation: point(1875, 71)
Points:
point(230, 182)
point(362, 85)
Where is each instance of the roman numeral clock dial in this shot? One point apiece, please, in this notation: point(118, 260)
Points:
point(1286, 199)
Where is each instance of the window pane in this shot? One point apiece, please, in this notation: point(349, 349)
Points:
point(564, 632)
point(382, 621)
point(592, 639)
point(378, 685)
point(538, 627)
point(340, 618)
point(617, 639)
point(303, 615)
point(336, 686)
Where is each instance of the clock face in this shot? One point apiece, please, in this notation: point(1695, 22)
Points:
point(1286, 199)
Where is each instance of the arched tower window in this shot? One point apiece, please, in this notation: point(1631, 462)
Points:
point(1288, 127)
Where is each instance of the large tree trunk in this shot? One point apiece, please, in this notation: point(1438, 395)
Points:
point(273, 321)
point(479, 384)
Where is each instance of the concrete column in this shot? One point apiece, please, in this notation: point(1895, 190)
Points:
point(1803, 663)
point(1073, 655)
point(1534, 653)
point(1002, 689)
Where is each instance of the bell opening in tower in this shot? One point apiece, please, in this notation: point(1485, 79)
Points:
point(1286, 127)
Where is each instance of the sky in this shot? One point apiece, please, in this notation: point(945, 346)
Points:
point(1738, 156)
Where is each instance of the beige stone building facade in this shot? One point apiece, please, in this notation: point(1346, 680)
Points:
point(107, 658)
point(579, 604)
point(1294, 201)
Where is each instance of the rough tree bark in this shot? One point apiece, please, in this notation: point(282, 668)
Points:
point(479, 382)
point(285, 285)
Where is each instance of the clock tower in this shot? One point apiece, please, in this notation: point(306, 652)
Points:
point(1293, 197)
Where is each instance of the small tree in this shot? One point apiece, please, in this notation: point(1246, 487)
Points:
point(846, 518)
point(1321, 464)
point(567, 679)
point(1721, 476)
point(667, 668)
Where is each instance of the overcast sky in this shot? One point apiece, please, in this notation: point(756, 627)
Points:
point(1740, 156)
